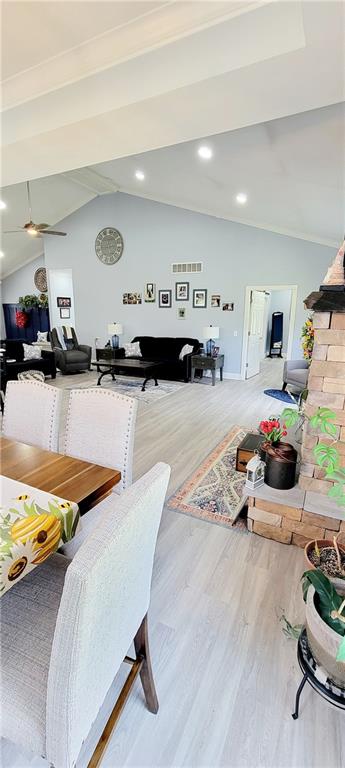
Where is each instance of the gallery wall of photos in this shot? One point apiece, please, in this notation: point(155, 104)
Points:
point(164, 298)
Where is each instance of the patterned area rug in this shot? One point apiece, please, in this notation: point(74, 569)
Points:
point(131, 387)
point(215, 492)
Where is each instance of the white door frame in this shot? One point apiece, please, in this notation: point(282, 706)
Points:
point(249, 289)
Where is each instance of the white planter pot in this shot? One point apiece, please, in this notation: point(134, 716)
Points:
point(324, 642)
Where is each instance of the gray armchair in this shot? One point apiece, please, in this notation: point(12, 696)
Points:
point(295, 374)
point(74, 359)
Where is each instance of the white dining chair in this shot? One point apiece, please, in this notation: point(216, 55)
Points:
point(67, 626)
point(100, 428)
point(32, 413)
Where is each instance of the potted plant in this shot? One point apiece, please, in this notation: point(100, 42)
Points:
point(329, 557)
point(28, 302)
point(307, 338)
point(280, 457)
point(325, 623)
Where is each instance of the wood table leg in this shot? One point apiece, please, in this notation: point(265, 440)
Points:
point(141, 645)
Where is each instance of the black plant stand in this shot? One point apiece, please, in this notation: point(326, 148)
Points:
point(311, 674)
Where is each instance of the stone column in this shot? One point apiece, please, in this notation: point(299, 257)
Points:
point(326, 387)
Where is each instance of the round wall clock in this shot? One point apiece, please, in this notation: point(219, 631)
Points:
point(40, 279)
point(109, 245)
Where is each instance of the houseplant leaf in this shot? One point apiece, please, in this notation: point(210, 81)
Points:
point(328, 599)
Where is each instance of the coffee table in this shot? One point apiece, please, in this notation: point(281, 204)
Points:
point(128, 367)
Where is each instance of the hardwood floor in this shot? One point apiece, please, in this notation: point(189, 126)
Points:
point(225, 674)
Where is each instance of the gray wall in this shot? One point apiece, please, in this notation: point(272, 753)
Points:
point(155, 235)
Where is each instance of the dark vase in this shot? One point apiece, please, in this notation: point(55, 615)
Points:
point(281, 461)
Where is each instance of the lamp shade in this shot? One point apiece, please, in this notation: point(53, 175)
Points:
point(210, 332)
point(115, 329)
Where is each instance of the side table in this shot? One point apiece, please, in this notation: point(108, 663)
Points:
point(316, 677)
point(207, 363)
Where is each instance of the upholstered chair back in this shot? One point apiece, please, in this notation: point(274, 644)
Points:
point(105, 598)
point(100, 428)
point(32, 413)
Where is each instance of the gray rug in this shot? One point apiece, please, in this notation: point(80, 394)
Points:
point(131, 387)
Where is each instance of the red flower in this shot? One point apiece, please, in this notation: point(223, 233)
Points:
point(21, 319)
point(284, 433)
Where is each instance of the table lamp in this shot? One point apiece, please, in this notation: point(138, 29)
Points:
point(115, 330)
point(210, 333)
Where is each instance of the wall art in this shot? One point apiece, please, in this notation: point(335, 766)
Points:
point(64, 301)
point(150, 293)
point(200, 298)
point(181, 291)
point(215, 300)
point(165, 299)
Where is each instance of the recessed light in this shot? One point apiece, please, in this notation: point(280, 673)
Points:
point(2, 254)
point(140, 175)
point(2, 205)
point(241, 198)
point(205, 152)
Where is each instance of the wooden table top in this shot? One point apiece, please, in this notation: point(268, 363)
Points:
point(73, 479)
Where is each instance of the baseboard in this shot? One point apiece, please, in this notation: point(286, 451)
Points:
point(226, 375)
point(237, 376)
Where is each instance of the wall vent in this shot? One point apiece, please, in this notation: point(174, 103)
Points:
point(188, 267)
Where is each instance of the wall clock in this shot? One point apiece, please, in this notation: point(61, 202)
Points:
point(109, 245)
point(40, 279)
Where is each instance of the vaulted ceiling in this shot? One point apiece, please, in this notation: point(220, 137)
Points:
point(99, 84)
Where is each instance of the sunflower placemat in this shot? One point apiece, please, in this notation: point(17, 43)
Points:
point(33, 524)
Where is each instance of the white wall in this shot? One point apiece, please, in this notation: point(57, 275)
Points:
point(155, 235)
point(60, 283)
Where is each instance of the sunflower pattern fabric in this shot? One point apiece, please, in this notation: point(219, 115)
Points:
point(33, 524)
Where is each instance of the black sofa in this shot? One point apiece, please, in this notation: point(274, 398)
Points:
point(166, 349)
point(13, 361)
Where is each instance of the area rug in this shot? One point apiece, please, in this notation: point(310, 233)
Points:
point(215, 491)
point(279, 394)
point(131, 387)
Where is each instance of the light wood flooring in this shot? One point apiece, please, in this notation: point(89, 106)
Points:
point(226, 676)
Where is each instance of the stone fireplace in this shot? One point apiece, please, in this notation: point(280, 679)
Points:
point(306, 512)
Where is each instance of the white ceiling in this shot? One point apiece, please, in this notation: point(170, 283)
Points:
point(291, 169)
point(175, 72)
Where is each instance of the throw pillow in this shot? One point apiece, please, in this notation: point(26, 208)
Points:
point(31, 353)
point(42, 336)
point(31, 376)
point(186, 350)
point(132, 349)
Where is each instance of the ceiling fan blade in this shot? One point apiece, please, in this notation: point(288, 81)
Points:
point(42, 226)
point(53, 232)
point(13, 231)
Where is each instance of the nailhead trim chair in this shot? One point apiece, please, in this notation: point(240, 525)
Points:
point(100, 428)
point(67, 626)
point(32, 412)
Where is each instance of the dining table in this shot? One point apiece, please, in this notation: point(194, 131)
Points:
point(42, 497)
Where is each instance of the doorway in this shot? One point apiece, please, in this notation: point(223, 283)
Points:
point(261, 304)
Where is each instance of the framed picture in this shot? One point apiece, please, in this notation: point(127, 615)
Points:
point(165, 298)
point(64, 301)
point(125, 298)
point(181, 313)
point(215, 352)
point(215, 300)
point(228, 307)
point(199, 298)
point(150, 293)
point(65, 313)
point(181, 291)
point(133, 298)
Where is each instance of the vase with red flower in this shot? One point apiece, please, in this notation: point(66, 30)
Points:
point(280, 457)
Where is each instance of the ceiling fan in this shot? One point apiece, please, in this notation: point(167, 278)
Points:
point(35, 230)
